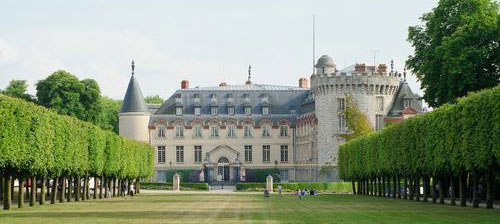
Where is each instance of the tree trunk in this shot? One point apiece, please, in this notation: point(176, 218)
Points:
point(33, 191)
point(433, 190)
point(417, 188)
point(114, 186)
point(394, 187)
point(475, 190)
point(42, 191)
point(353, 188)
point(7, 200)
point(106, 187)
point(462, 187)
point(138, 186)
point(87, 188)
point(411, 183)
point(441, 190)
point(398, 180)
point(78, 189)
point(63, 190)
point(379, 187)
point(452, 191)
point(1, 188)
point(405, 191)
point(95, 188)
point(101, 186)
point(383, 186)
point(129, 184)
point(425, 181)
point(490, 189)
point(70, 187)
point(20, 196)
point(53, 196)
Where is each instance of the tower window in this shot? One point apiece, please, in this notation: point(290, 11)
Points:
point(340, 104)
point(379, 122)
point(380, 103)
point(341, 122)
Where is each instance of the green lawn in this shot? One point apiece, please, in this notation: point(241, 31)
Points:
point(246, 208)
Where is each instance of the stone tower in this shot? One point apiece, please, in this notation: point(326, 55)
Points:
point(372, 87)
point(134, 115)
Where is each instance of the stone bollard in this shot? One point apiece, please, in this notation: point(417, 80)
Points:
point(269, 183)
point(177, 182)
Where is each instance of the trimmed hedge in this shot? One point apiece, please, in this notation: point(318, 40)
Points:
point(37, 142)
point(168, 186)
point(260, 175)
point(453, 143)
point(321, 186)
point(187, 175)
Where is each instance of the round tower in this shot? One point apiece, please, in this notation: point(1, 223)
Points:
point(371, 87)
point(134, 115)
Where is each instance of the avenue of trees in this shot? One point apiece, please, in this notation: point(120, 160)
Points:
point(456, 145)
point(63, 153)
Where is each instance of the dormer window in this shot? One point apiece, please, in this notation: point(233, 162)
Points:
point(197, 111)
point(230, 111)
point(407, 103)
point(178, 98)
point(265, 111)
point(161, 132)
point(178, 111)
point(248, 110)
point(214, 110)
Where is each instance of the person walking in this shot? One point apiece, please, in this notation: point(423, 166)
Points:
point(279, 191)
point(123, 189)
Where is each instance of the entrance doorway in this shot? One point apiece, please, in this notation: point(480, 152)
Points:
point(223, 169)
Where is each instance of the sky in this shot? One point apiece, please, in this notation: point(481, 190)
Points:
point(206, 42)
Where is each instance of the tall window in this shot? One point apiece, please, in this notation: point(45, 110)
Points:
point(178, 111)
point(266, 153)
point(283, 131)
point(265, 111)
point(197, 130)
point(379, 122)
point(161, 154)
point(197, 153)
point(340, 104)
point(248, 110)
point(179, 131)
point(248, 153)
point(197, 111)
point(341, 121)
point(266, 131)
point(161, 132)
point(214, 111)
point(284, 153)
point(380, 103)
point(214, 131)
point(179, 154)
point(231, 131)
point(247, 131)
point(230, 111)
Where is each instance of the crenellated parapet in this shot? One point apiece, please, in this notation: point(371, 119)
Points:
point(367, 83)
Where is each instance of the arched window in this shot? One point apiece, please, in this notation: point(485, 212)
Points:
point(223, 160)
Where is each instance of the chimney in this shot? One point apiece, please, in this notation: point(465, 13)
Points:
point(222, 84)
point(360, 67)
point(303, 83)
point(185, 84)
point(382, 68)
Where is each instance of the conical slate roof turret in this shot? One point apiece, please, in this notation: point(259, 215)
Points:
point(133, 101)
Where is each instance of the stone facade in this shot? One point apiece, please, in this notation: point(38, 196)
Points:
point(222, 133)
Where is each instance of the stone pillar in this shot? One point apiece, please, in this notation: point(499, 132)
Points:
point(177, 182)
point(269, 183)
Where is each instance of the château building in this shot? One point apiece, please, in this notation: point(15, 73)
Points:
point(222, 133)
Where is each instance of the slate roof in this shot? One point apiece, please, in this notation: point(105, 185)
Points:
point(133, 101)
point(283, 102)
point(405, 93)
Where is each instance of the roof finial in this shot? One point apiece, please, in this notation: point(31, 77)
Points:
point(133, 67)
point(249, 81)
point(404, 74)
point(392, 66)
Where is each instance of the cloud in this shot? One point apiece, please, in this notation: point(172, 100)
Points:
point(7, 52)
